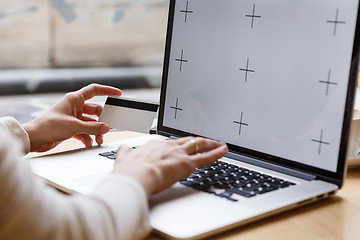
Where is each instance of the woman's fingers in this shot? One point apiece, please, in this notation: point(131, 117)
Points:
point(157, 165)
point(183, 140)
point(122, 149)
point(99, 90)
point(99, 139)
point(209, 157)
point(92, 109)
point(85, 139)
point(88, 141)
point(198, 145)
point(87, 119)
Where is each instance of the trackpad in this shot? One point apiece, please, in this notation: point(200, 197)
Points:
point(88, 184)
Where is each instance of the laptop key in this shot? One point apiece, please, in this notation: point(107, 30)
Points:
point(230, 179)
point(264, 190)
point(227, 195)
point(112, 157)
point(242, 192)
point(105, 154)
point(284, 185)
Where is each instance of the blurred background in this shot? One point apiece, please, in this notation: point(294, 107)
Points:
point(50, 47)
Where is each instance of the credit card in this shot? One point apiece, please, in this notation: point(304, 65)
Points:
point(129, 114)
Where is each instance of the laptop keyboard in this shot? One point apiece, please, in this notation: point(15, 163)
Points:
point(225, 180)
point(112, 154)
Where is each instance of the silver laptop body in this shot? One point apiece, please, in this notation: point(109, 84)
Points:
point(273, 79)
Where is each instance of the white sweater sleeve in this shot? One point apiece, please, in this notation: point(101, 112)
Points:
point(17, 130)
point(29, 209)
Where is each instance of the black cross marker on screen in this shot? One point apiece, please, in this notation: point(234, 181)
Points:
point(186, 11)
point(336, 21)
point(181, 60)
point(328, 82)
point(247, 70)
point(241, 123)
point(252, 16)
point(320, 141)
point(176, 107)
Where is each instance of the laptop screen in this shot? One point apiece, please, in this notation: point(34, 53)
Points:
point(268, 77)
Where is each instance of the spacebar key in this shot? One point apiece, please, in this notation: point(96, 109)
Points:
point(242, 192)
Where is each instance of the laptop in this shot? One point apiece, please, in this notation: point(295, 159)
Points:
point(275, 80)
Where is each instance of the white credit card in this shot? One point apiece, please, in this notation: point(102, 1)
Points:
point(129, 114)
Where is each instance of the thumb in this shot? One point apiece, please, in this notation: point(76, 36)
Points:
point(92, 128)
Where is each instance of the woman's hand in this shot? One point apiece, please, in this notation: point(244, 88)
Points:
point(65, 120)
point(157, 165)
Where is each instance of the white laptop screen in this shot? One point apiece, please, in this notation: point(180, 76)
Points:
point(269, 76)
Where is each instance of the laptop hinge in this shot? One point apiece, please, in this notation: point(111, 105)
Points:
point(166, 134)
point(270, 166)
point(173, 137)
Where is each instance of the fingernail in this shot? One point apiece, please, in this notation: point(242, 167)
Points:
point(104, 129)
point(89, 144)
point(100, 141)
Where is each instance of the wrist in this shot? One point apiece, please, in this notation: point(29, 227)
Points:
point(31, 130)
point(144, 178)
point(28, 129)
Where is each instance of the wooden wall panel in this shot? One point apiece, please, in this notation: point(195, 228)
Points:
point(79, 33)
point(24, 33)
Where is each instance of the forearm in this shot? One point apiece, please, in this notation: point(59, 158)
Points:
point(32, 210)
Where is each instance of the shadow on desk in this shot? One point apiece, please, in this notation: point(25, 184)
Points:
point(288, 225)
point(335, 218)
